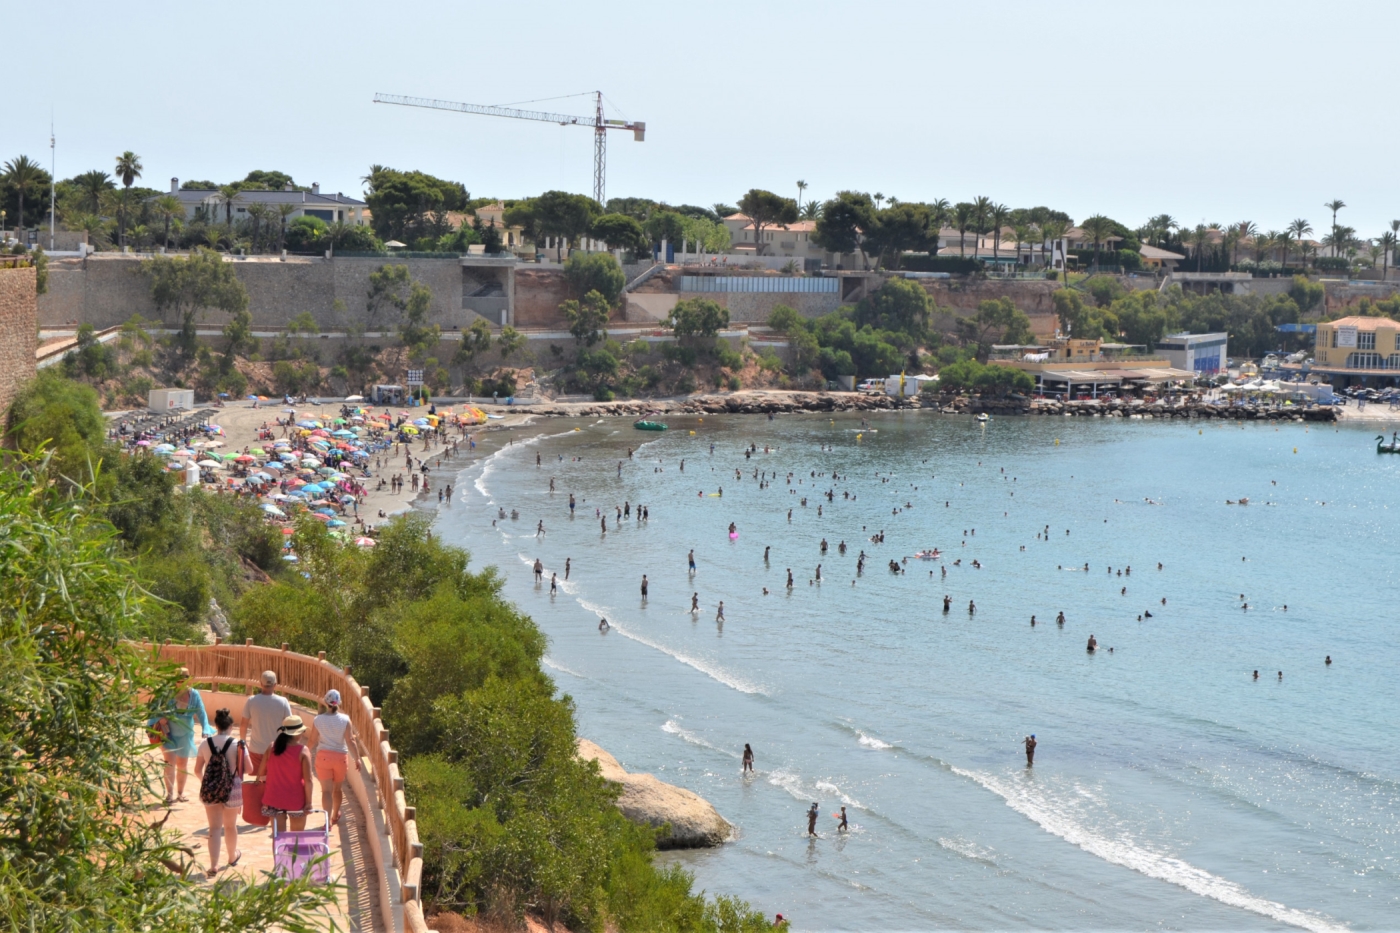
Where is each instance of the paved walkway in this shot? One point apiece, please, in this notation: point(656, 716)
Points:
point(352, 868)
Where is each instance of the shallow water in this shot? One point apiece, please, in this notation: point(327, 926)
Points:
point(1170, 790)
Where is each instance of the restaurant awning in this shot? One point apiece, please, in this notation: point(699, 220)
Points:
point(1101, 377)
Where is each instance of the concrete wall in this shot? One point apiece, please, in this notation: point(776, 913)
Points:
point(104, 291)
point(19, 333)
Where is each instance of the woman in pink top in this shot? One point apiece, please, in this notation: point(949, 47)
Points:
point(287, 772)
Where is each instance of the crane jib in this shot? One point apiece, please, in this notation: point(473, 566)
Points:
point(597, 122)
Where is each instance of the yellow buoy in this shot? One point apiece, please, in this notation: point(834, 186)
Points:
point(1198, 431)
point(859, 436)
point(1295, 450)
point(1057, 442)
point(692, 433)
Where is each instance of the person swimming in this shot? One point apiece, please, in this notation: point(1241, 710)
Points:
point(603, 625)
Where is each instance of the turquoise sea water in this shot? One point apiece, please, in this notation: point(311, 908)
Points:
point(1170, 790)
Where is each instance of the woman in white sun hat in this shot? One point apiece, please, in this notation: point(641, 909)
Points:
point(334, 751)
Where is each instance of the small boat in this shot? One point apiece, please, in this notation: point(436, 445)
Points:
point(1383, 448)
point(982, 418)
point(934, 554)
point(645, 425)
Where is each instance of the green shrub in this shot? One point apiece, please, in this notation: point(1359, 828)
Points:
point(734, 383)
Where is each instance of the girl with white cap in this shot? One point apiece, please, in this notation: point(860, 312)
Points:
point(333, 748)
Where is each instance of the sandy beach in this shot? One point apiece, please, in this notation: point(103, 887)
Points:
point(241, 423)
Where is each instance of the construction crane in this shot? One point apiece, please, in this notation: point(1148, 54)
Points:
point(600, 125)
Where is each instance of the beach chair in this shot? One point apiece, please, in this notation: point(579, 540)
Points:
point(303, 853)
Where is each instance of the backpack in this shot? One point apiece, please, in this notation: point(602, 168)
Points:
point(217, 784)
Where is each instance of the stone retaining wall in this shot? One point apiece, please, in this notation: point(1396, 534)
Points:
point(19, 332)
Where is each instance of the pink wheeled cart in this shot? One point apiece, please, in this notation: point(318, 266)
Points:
point(303, 853)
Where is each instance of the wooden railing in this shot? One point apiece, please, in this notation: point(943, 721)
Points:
point(309, 678)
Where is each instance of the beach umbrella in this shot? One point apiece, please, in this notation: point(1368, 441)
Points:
point(258, 451)
point(365, 542)
point(243, 458)
point(360, 455)
point(210, 444)
point(289, 531)
point(310, 462)
point(295, 493)
point(326, 511)
point(291, 558)
point(348, 498)
point(166, 448)
point(265, 477)
point(209, 464)
point(319, 517)
point(273, 465)
point(271, 509)
point(335, 523)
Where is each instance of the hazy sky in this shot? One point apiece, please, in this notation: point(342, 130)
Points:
point(1211, 111)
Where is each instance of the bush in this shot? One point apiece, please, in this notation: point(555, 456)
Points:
point(729, 359)
point(958, 265)
point(735, 384)
point(595, 272)
point(676, 353)
point(603, 394)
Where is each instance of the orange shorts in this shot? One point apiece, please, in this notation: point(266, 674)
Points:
point(331, 766)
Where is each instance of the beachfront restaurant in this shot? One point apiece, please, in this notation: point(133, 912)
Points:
point(1089, 369)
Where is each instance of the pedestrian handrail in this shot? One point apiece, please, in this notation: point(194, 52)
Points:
point(309, 678)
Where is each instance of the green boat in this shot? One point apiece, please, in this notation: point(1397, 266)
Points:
point(645, 425)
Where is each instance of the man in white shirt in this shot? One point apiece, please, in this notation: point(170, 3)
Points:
point(263, 715)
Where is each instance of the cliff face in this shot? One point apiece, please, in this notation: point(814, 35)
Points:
point(693, 822)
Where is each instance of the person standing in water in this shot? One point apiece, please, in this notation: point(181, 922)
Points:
point(567, 562)
point(843, 826)
point(644, 587)
point(1030, 744)
point(553, 584)
point(694, 603)
point(691, 560)
point(812, 820)
point(719, 614)
point(748, 757)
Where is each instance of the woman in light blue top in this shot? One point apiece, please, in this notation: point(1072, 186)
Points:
point(175, 718)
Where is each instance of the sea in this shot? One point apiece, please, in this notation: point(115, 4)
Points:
point(1172, 789)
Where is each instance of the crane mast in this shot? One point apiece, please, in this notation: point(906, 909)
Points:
point(598, 122)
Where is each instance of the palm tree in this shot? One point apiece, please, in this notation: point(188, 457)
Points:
point(801, 187)
point(24, 175)
point(998, 214)
point(283, 212)
point(94, 185)
point(1284, 240)
point(128, 170)
point(257, 212)
point(1264, 243)
point(963, 218)
point(1387, 242)
point(167, 208)
point(90, 224)
point(227, 195)
point(879, 199)
point(1022, 232)
point(369, 179)
point(212, 235)
point(812, 210)
point(939, 214)
point(1162, 225)
point(981, 210)
point(1198, 239)
point(1247, 231)
point(1050, 231)
point(1099, 228)
point(1300, 228)
point(1334, 206)
point(1375, 251)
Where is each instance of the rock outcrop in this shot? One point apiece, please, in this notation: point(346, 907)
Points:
point(693, 822)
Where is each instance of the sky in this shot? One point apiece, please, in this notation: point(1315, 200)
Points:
point(1209, 111)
